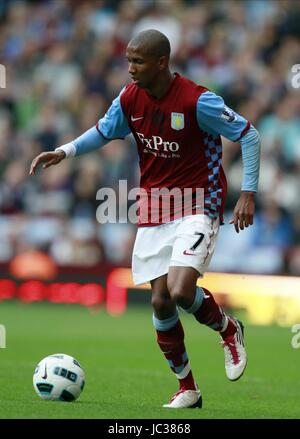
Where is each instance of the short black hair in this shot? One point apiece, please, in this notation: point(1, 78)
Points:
point(152, 42)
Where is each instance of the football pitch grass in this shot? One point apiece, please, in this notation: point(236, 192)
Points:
point(127, 376)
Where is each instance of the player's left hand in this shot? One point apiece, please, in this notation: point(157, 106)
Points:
point(244, 211)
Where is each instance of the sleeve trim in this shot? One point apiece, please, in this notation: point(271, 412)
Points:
point(247, 127)
point(106, 138)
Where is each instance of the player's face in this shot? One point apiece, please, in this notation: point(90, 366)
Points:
point(143, 68)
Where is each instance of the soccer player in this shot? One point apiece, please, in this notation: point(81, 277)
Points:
point(177, 126)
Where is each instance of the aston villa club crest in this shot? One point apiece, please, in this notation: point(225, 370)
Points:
point(177, 121)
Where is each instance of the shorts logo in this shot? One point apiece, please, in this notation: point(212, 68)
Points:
point(228, 114)
point(189, 254)
point(177, 121)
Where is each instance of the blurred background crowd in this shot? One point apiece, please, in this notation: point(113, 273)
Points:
point(64, 65)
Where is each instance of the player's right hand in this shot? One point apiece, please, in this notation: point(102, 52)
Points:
point(48, 158)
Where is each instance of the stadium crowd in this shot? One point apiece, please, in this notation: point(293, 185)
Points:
point(65, 63)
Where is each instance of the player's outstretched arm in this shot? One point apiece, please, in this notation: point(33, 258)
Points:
point(113, 125)
point(48, 158)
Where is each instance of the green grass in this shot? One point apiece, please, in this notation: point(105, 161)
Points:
point(127, 376)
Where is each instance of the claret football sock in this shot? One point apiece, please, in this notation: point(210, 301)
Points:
point(170, 338)
point(208, 312)
point(229, 327)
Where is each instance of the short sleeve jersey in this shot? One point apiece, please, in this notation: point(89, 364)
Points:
point(179, 143)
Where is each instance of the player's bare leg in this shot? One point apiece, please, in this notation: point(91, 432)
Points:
point(200, 302)
point(170, 338)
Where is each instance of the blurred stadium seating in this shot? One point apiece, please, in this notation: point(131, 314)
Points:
point(65, 63)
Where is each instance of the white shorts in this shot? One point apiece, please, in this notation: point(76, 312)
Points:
point(186, 242)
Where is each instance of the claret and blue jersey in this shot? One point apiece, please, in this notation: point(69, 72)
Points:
point(178, 139)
